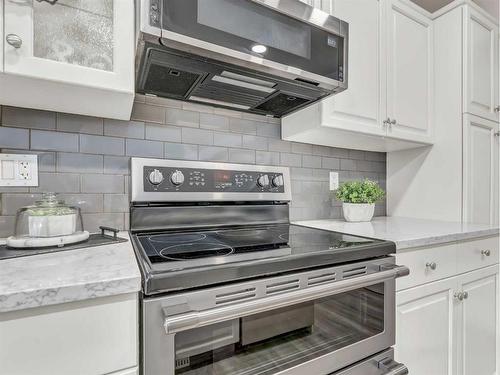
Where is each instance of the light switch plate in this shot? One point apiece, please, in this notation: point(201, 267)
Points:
point(18, 170)
point(334, 180)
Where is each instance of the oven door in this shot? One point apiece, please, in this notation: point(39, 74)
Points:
point(278, 36)
point(315, 322)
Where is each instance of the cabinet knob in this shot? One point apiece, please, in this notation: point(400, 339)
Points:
point(497, 108)
point(393, 122)
point(486, 253)
point(14, 40)
point(459, 296)
point(465, 294)
point(431, 265)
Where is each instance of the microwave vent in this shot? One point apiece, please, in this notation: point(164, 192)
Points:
point(354, 272)
point(281, 104)
point(164, 79)
point(236, 296)
point(281, 287)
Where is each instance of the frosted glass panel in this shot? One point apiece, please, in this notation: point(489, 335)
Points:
point(78, 32)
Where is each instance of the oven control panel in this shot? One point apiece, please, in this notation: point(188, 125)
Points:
point(176, 179)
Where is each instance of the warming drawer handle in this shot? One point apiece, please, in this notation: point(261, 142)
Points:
point(392, 367)
point(194, 319)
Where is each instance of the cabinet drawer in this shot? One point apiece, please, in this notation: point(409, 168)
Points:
point(476, 254)
point(427, 265)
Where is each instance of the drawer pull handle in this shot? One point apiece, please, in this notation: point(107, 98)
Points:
point(431, 265)
point(459, 295)
point(486, 253)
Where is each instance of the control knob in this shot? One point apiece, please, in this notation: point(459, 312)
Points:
point(278, 181)
point(263, 180)
point(177, 178)
point(156, 177)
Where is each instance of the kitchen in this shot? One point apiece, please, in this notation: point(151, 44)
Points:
point(204, 179)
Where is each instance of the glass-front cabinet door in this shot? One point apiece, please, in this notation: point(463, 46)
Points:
point(86, 42)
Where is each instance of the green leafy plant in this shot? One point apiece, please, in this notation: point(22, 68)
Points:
point(359, 192)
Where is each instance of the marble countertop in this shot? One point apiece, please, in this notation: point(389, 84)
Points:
point(407, 232)
point(67, 276)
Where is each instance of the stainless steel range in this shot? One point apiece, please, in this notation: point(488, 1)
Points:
point(230, 287)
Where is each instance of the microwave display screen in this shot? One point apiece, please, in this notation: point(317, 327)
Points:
point(283, 33)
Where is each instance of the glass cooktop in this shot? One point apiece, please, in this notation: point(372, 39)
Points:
point(174, 260)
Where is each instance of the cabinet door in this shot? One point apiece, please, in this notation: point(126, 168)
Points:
point(425, 320)
point(477, 332)
point(1, 36)
point(359, 107)
point(409, 73)
point(480, 170)
point(480, 65)
point(88, 43)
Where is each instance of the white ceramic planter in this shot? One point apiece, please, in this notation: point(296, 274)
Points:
point(358, 212)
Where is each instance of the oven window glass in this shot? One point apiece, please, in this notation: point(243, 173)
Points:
point(285, 34)
point(273, 341)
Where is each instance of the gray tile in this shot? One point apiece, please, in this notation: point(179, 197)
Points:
point(255, 142)
point(13, 189)
point(237, 155)
point(321, 150)
point(311, 161)
point(163, 133)
point(92, 222)
point(253, 117)
point(181, 151)
point(54, 141)
point(375, 156)
point(116, 164)
point(227, 139)
point(142, 148)
point(267, 158)
point(7, 226)
point(14, 138)
point(28, 118)
point(88, 203)
point(181, 117)
point(13, 202)
point(57, 182)
point(139, 98)
point(79, 163)
point(302, 148)
point(116, 203)
point(356, 154)
point(300, 173)
point(102, 183)
point(227, 112)
point(210, 153)
point(269, 130)
point(126, 129)
point(330, 163)
point(162, 101)
point(339, 152)
point(197, 136)
point(370, 166)
point(348, 165)
point(243, 126)
point(79, 124)
point(290, 160)
point(214, 122)
point(148, 113)
point(196, 107)
point(95, 144)
point(280, 146)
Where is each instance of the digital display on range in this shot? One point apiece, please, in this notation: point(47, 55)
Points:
point(222, 177)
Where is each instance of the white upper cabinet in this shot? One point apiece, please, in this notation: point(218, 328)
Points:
point(481, 65)
point(1, 36)
point(360, 107)
point(389, 79)
point(480, 204)
point(79, 51)
point(409, 73)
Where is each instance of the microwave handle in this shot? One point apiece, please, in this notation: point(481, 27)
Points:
point(194, 319)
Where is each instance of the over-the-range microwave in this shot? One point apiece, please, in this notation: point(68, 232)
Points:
point(267, 57)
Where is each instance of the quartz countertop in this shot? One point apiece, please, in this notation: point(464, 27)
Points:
point(67, 276)
point(407, 232)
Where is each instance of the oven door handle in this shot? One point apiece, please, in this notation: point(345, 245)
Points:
point(194, 319)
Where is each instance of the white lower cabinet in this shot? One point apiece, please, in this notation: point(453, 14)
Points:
point(450, 326)
point(92, 337)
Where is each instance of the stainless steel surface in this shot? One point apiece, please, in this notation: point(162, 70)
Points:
point(486, 252)
point(181, 322)
point(431, 265)
point(391, 367)
point(14, 40)
point(159, 349)
point(139, 195)
point(370, 366)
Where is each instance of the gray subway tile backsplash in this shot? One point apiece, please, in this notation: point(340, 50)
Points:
point(87, 159)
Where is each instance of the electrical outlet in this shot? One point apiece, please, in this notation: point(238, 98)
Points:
point(18, 170)
point(334, 180)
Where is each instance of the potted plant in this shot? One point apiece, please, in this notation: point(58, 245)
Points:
point(358, 199)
